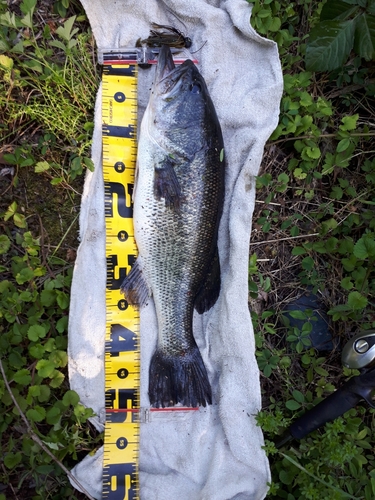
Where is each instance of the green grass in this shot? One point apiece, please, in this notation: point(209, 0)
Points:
point(313, 228)
point(48, 84)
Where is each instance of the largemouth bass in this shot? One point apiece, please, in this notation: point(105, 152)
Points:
point(178, 200)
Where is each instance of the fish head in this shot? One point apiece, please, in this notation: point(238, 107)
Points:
point(178, 105)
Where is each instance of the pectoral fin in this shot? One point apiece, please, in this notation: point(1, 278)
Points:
point(166, 185)
point(210, 289)
point(136, 175)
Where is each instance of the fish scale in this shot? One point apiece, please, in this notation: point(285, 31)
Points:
point(172, 269)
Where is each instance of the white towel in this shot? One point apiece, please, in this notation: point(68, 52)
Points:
point(214, 453)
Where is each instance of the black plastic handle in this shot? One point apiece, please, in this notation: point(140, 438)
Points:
point(342, 400)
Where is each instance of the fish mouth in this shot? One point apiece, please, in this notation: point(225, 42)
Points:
point(165, 64)
point(168, 77)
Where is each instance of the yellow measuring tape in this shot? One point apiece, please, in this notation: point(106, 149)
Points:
point(122, 354)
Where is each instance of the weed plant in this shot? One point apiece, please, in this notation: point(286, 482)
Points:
point(313, 233)
point(48, 83)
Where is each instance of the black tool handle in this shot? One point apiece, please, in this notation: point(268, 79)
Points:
point(342, 400)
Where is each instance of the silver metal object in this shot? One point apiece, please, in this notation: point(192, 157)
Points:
point(139, 55)
point(359, 352)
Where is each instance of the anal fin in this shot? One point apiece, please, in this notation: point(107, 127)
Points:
point(166, 185)
point(210, 289)
point(135, 287)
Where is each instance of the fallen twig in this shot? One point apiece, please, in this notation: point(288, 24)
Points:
point(320, 136)
point(36, 439)
point(284, 239)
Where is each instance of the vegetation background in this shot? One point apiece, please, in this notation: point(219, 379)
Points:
point(313, 236)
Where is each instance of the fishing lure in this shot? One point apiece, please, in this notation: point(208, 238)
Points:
point(168, 36)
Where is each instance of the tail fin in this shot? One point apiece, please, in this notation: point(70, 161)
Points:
point(178, 379)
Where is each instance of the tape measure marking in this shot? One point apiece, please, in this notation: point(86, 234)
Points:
point(122, 354)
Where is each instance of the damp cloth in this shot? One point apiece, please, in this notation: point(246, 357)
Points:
point(214, 453)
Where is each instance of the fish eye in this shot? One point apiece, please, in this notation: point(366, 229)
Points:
point(195, 88)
